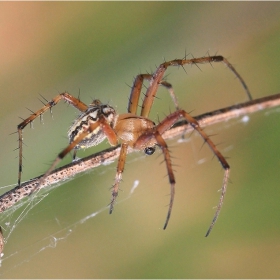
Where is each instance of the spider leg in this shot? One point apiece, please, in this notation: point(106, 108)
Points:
point(62, 154)
point(221, 159)
point(136, 90)
point(63, 96)
point(157, 77)
point(166, 124)
point(110, 134)
point(162, 144)
point(118, 177)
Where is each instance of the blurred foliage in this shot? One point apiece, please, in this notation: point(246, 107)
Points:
point(95, 49)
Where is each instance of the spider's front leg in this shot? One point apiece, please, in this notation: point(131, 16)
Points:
point(155, 136)
point(136, 90)
point(148, 140)
point(156, 79)
point(162, 144)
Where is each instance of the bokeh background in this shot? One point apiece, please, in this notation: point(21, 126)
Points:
point(95, 49)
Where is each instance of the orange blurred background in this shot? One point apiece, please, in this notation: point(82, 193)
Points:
point(95, 49)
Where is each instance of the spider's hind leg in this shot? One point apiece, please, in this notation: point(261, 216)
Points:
point(48, 106)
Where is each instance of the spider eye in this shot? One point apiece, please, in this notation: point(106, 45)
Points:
point(149, 150)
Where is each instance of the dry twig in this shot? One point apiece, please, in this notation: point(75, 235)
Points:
point(61, 174)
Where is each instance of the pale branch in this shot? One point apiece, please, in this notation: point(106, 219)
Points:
point(104, 157)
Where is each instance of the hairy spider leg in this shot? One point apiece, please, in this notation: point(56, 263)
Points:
point(118, 177)
point(165, 125)
point(150, 135)
point(63, 96)
point(132, 108)
point(157, 77)
point(162, 144)
point(136, 91)
point(102, 123)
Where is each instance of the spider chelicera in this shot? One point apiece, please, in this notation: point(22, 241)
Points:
point(98, 121)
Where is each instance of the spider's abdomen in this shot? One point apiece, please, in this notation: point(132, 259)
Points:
point(91, 116)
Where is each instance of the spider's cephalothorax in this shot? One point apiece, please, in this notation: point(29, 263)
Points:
point(98, 121)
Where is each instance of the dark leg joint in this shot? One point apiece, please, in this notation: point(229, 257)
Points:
point(217, 58)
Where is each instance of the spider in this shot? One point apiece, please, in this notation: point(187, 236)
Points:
point(99, 121)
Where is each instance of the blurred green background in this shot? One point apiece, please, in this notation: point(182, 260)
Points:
point(95, 49)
